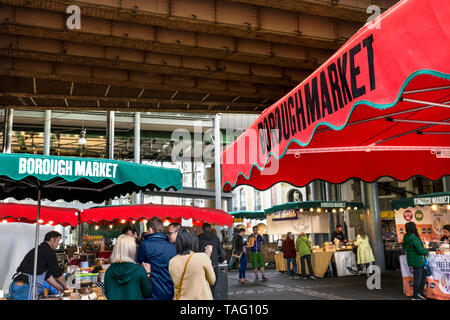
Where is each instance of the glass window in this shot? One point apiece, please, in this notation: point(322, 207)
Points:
point(257, 200)
point(243, 199)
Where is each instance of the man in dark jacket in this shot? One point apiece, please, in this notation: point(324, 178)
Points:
point(218, 254)
point(290, 254)
point(157, 251)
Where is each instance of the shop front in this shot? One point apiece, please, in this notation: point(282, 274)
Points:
point(311, 218)
point(430, 213)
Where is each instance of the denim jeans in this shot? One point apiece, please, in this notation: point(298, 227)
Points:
point(292, 261)
point(242, 265)
point(310, 268)
point(419, 280)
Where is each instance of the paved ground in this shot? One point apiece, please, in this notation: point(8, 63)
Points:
point(279, 287)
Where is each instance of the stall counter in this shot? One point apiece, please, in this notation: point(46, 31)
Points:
point(438, 284)
point(319, 261)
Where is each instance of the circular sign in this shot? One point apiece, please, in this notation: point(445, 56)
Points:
point(408, 215)
point(418, 215)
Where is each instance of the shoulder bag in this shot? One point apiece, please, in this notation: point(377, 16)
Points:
point(182, 276)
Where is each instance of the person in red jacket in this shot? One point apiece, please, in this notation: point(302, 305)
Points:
point(290, 254)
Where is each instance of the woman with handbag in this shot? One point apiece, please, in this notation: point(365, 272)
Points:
point(192, 272)
point(415, 254)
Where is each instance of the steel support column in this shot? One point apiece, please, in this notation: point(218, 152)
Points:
point(110, 134)
point(217, 162)
point(137, 197)
point(47, 131)
point(372, 221)
point(7, 130)
point(446, 183)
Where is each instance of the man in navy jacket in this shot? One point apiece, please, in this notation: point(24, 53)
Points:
point(156, 250)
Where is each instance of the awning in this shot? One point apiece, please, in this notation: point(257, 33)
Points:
point(440, 198)
point(308, 205)
point(147, 211)
point(260, 215)
point(378, 107)
point(81, 179)
point(14, 212)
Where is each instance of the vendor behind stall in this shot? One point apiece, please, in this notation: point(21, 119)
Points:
point(338, 234)
point(47, 269)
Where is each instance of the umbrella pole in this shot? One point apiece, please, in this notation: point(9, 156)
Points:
point(36, 243)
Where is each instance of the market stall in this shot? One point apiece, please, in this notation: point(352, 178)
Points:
point(311, 217)
point(83, 179)
point(430, 213)
point(16, 231)
point(105, 223)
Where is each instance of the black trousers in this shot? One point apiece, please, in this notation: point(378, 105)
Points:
point(419, 280)
point(213, 287)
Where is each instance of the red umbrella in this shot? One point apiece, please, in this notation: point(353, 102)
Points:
point(14, 212)
point(378, 107)
point(147, 211)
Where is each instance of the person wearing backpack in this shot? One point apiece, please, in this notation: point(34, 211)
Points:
point(303, 246)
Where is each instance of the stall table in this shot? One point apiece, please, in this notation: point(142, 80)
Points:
point(319, 261)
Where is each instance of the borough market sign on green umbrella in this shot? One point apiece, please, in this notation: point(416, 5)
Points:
point(307, 205)
point(440, 198)
point(83, 179)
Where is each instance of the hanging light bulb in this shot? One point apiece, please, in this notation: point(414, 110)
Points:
point(349, 208)
point(301, 210)
point(41, 221)
point(145, 221)
point(110, 226)
point(82, 140)
point(122, 221)
point(341, 210)
point(355, 208)
point(448, 207)
point(434, 207)
point(50, 222)
point(133, 222)
point(5, 221)
point(334, 210)
point(318, 210)
point(312, 209)
point(96, 228)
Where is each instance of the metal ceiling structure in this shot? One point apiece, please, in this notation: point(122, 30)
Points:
point(190, 56)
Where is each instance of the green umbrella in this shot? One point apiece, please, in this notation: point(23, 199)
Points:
point(83, 179)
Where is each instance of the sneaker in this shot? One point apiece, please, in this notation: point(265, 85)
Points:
point(264, 278)
point(297, 278)
point(305, 278)
point(421, 297)
point(312, 277)
point(290, 277)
